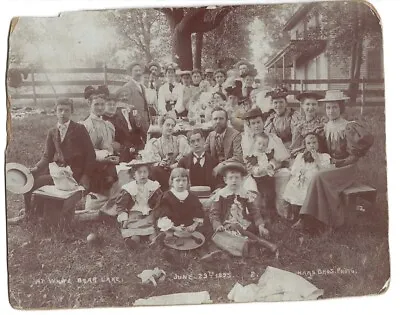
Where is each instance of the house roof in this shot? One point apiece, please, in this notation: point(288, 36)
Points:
point(299, 50)
point(298, 16)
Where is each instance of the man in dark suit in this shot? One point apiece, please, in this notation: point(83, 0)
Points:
point(129, 133)
point(67, 144)
point(224, 143)
point(135, 92)
point(199, 163)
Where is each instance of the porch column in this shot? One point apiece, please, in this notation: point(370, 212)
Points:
point(283, 67)
point(294, 73)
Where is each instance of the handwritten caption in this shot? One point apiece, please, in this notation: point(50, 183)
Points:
point(209, 275)
point(66, 281)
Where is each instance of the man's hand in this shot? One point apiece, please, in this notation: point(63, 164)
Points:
point(191, 228)
point(263, 231)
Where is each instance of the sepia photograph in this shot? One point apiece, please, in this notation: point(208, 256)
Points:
point(196, 155)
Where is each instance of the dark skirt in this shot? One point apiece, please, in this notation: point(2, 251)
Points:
point(104, 176)
point(323, 199)
point(266, 188)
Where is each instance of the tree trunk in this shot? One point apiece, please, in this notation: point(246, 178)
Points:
point(182, 49)
point(356, 58)
point(199, 48)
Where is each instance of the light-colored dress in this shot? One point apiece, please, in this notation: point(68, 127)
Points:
point(301, 175)
point(102, 134)
point(173, 148)
point(140, 220)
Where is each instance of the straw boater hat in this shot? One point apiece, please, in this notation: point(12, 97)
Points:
point(304, 95)
point(185, 72)
point(225, 166)
point(334, 96)
point(142, 162)
point(19, 180)
point(209, 70)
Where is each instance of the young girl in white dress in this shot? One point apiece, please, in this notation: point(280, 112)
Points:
point(135, 203)
point(305, 166)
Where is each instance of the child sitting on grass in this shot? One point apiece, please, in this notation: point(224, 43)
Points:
point(135, 203)
point(302, 171)
point(233, 208)
point(179, 205)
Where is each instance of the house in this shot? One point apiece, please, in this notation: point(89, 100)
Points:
point(308, 59)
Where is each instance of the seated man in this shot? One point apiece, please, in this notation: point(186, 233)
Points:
point(199, 163)
point(224, 143)
point(67, 144)
point(129, 130)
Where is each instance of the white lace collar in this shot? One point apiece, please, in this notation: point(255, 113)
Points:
point(132, 187)
point(225, 192)
point(335, 129)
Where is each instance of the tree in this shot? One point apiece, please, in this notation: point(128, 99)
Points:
point(146, 29)
point(350, 27)
point(185, 22)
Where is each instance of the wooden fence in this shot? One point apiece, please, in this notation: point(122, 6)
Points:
point(32, 82)
point(367, 87)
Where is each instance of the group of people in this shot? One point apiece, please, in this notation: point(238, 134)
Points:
point(239, 159)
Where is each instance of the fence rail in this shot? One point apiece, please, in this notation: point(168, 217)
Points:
point(365, 89)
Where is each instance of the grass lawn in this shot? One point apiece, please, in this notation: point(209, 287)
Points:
point(57, 270)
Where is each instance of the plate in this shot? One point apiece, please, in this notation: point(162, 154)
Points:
point(195, 240)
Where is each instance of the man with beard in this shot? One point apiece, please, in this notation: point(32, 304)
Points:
point(223, 143)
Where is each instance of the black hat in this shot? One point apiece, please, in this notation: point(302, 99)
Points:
point(253, 113)
point(251, 72)
point(313, 95)
point(279, 92)
point(101, 90)
point(220, 71)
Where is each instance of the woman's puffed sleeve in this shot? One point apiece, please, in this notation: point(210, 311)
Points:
point(152, 149)
point(359, 140)
point(183, 147)
point(280, 152)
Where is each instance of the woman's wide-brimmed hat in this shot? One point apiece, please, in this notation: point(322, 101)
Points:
point(312, 95)
point(154, 64)
point(244, 62)
point(253, 113)
point(185, 241)
point(252, 72)
point(171, 66)
point(141, 162)
point(279, 92)
point(225, 166)
point(19, 180)
point(102, 91)
point(334, 96)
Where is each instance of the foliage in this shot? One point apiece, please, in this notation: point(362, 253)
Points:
point(145, 31)
point(345, 23)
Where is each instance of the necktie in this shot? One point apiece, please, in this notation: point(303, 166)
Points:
point(63, 130)
point(198, 159)
point(220, 89)
point(171, 87)
point(152, 85)
point(219, 146)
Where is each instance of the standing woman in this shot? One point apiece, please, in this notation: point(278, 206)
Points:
point(310, 121)
point(167, 150)
point(102, 135)
point(346, 142)
point(283, 119)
